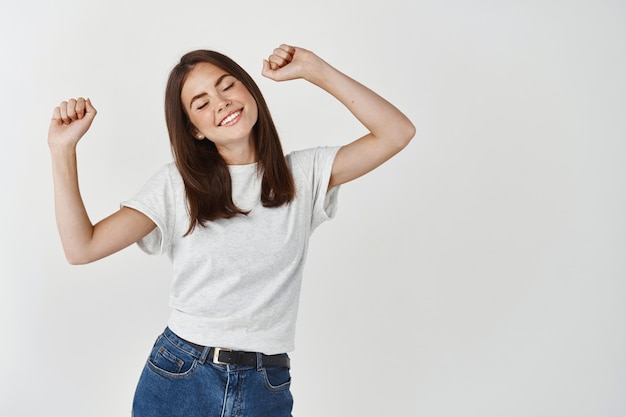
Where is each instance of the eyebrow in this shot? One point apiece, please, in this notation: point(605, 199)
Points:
point(198, 96)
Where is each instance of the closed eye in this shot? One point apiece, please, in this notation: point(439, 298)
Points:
point(206, 103)
point(229, 86)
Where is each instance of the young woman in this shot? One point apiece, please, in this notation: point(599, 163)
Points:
point(234, 215)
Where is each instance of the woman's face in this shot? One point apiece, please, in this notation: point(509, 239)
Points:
point(219, 106)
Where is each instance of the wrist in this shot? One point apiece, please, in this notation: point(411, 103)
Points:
point(319, 72)
point(62, 150)
point(325, 76)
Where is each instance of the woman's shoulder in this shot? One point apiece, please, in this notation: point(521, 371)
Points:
point(312, 163)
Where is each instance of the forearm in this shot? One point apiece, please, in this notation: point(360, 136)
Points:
point(381, 118)
point(73, 223)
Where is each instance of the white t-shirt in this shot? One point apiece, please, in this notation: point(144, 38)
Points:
point(236, 282)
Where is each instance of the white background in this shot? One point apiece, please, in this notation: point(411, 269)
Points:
point(479, 273)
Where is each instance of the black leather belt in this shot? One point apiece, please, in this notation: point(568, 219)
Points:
point(236, 357)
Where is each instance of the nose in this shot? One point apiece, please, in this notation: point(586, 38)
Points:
point(222, 105)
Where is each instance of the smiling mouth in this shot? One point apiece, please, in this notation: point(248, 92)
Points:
point(231, 118)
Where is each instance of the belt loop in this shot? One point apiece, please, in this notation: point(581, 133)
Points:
point(259, 361)
point(205, 354)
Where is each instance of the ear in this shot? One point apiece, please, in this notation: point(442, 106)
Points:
point(195, 133)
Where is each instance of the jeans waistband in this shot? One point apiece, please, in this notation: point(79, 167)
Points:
point(223, 356)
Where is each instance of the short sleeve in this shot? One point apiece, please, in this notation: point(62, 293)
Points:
point(316, 165)
point(157, 200)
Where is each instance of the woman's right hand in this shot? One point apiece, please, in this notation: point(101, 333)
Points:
point(70, 120)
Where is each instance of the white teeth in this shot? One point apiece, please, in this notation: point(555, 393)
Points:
point(230, 118)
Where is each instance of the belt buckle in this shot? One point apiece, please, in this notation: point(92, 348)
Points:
point(216, 355)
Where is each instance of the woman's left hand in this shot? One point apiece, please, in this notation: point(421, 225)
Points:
point(289, 63)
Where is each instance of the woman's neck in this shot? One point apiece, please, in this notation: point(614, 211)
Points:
point(243, 154)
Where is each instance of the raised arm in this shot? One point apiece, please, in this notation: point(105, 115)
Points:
point(389, 130)
point(82, 241)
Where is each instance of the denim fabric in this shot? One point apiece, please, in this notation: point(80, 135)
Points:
point(180, 381)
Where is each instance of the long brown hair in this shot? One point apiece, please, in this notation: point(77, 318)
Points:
point(205, 173)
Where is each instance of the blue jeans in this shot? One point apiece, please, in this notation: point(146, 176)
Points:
point(180, 381)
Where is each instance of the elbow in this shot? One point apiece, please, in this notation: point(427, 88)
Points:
point(409, 129)
point(77, 258)
point(410, 132)
point(405, 134)
point(75, 261)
